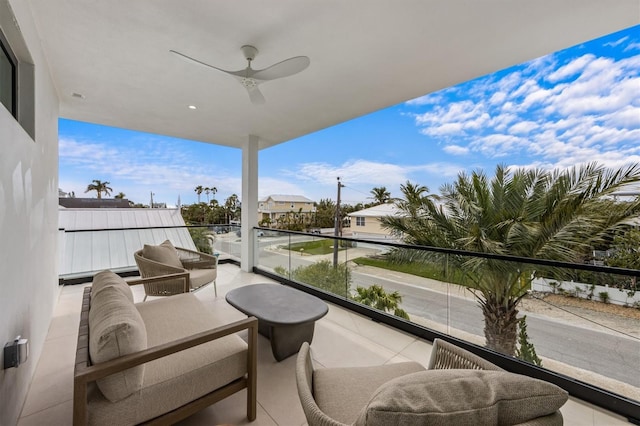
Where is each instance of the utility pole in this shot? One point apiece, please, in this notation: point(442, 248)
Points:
point(151, 206)
point(337, 232)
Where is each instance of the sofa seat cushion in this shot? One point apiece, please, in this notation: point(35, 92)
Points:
point(200, 277)
point(175, 380)
point(110, 279)
point(164, 253)
point(342, 392)
point(462, 397)
point(116, 329)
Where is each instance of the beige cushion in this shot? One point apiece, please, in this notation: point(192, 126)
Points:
point(461, 397)
point(163, 253)
point(116, 329)
point(200, 277)
point(342, 392)
point(109, 279)
point(173, 381)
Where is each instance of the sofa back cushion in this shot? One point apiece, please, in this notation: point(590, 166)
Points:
point(163, 253)
point(461, 397)
point(105, 279)
point(116, 329)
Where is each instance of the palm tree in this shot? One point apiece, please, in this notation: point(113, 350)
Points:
point(120, 196)
point(199, 190)
point(232, 206)
point(377, 298)
point(380, 195)
point(213, 191)
point(207, 191)
point(99, 187)
point(533, 213)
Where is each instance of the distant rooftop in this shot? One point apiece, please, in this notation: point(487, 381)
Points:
point(388, 209)
point(287, 198)
point(93, 203)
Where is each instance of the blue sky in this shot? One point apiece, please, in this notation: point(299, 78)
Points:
point(574, 106)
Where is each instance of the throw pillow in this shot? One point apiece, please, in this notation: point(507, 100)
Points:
point(163, 253)
point(461, 397)
point(116, 329)
point(105, 279)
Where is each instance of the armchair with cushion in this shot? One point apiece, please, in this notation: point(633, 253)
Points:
point(458, 388)
point(169, 270)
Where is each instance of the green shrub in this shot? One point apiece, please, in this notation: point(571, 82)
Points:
point(604, 296)
point(525, 350)
point(323, 275)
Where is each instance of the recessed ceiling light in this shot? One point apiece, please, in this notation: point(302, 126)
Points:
point(77, 95)
point(192, 107)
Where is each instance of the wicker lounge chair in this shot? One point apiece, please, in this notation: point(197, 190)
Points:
point(170, 270)
point(458, 388)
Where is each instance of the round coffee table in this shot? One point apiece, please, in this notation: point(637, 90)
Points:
point(286, 316)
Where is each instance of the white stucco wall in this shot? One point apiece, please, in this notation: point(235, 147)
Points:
point(28, 217)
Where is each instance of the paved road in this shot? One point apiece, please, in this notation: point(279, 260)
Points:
point(608, 354)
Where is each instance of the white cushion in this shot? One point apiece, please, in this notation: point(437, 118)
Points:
point(116, 329)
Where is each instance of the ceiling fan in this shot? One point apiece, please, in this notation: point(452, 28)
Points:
point(251, 78)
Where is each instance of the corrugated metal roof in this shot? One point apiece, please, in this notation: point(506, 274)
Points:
point(105, 245)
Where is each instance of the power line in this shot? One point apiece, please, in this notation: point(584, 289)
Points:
point(584, 318)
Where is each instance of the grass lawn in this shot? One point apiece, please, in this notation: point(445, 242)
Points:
point(425, 270)
point(321, 246)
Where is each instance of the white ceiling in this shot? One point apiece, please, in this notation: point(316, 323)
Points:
point(365, 55)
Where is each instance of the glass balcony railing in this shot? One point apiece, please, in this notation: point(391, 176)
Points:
point(582, 328)
point(581, 324)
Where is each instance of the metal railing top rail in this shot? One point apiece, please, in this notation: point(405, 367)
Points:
point(518, 259)
point(133, 228)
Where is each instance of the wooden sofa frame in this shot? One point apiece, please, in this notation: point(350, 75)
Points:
point(85, 373)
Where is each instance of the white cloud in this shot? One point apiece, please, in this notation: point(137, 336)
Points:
point(150, 165)
point(430, 99)
point(497, 98)
point(497, 145)
point(354, 172)
point(443, 129)
point(572, 68)
point(523, 127)
point(632, 46)
point(617, 42)
point(456, 150)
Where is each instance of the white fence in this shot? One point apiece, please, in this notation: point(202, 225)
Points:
point(585, 291)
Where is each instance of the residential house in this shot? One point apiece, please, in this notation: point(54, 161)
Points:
point(366, 223)
point(109, 62)
point(277, 209)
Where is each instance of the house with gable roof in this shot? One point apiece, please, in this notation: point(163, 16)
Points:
point(275, 208)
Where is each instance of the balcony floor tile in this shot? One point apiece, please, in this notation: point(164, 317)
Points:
point(342, 338)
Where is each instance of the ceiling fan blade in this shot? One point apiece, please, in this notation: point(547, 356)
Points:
point(285, 68)
point(256, 96)
point(190, 59)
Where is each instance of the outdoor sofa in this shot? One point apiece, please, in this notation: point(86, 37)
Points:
point(159, 361)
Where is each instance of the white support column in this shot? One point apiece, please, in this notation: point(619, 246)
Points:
point(249, 214)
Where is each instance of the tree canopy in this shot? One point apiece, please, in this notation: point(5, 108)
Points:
point(100, 187)
point(532, 213)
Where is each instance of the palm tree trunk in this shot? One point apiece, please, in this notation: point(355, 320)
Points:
point(500, 326)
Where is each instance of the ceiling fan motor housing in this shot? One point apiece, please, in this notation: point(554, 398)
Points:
point(249, 52)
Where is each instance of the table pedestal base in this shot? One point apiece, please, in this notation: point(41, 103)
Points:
point(286, 339)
